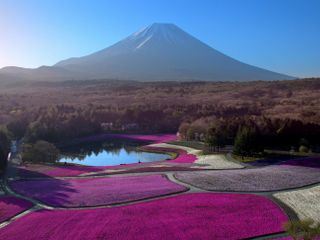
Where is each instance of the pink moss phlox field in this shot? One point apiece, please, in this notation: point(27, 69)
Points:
point(11, 206)
point(156, 138)
point(42, 170)
point(95, 191)
point(312, 162)
point(183, 156)
point(189, 216)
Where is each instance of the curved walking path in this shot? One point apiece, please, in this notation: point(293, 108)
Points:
point(183, 189)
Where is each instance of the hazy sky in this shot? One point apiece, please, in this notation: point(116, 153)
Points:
point(280, 35)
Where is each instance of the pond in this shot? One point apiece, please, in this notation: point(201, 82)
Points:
point(110, 152)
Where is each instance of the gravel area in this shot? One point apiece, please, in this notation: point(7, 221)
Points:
point(305, 202)
point(212, 161)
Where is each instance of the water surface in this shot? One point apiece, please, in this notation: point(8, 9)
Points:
point(110, 152)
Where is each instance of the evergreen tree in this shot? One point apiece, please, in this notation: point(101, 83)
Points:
point(4, 148)
point(41, 151)
point(247, 141)
point(215, 138)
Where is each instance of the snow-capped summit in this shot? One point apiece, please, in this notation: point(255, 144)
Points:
point(163, 32)
point(162, 51)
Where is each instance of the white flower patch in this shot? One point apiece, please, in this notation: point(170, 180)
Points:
point(305, 202)
point(217, 161)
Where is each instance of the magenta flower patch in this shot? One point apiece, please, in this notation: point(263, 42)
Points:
point(95, 191)
point(190, 216)
point(183, 156)
point(42, 170)
point(11, 206)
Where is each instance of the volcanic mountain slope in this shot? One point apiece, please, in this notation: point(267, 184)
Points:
point(158, 52)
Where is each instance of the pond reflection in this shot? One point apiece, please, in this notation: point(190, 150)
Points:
point(108, 153)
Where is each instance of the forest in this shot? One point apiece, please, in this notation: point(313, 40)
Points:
point(282, 112)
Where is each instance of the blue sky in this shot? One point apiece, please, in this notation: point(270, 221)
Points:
point(280, 35)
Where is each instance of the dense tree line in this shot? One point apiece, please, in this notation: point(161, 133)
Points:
point(248, 141)
point(41, 151)
point(250, 135)
point(283, 112)
point(62, 123)
point(4, 148)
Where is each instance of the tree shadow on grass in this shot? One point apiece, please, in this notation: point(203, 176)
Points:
point(41, 187)
point(310, 162)
point(11, 206)
point(271, 160)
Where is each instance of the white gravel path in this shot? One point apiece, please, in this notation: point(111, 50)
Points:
point(189, 150)
point(217, 161)
point(305, 202)
point(212, 161)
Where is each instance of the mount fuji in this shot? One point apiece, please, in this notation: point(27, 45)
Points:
point(160, 52)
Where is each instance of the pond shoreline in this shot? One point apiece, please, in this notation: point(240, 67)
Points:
point(84, 152)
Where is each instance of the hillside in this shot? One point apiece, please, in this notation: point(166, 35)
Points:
point(160, 52)
point(297, 99)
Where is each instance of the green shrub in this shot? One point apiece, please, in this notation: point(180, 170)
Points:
point(247, 142)
point(215, 138)
point(41, 151)
point(303, 230)
point(4, 148)
point(303, 149)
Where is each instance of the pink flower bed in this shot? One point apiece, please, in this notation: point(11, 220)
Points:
point(11, 206)
point(189, 216)
point(42, 170)
point(156, 138)
point(95, 191)
point(183, 156)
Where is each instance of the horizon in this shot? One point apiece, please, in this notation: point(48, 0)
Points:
point(170, 120)
point(38, 34)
